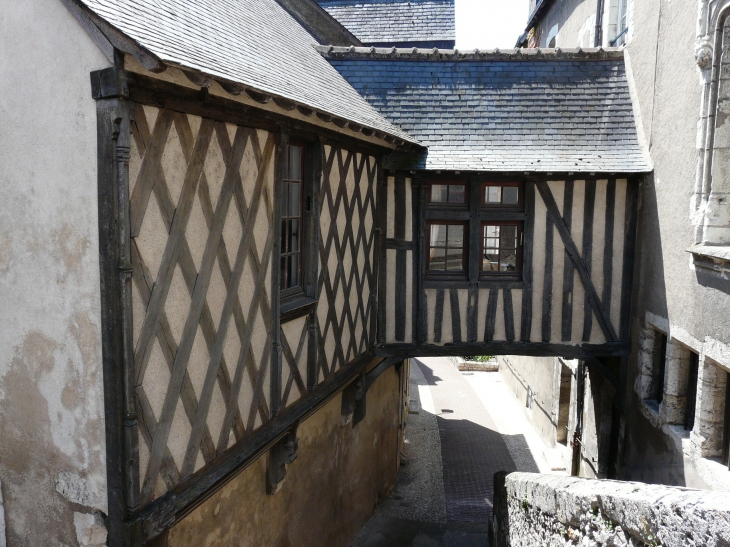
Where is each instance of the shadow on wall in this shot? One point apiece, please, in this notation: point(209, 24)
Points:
point(649, 455)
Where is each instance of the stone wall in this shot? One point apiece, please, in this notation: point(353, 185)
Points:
point(555, 511)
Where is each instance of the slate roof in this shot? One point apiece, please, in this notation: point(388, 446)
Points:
point(395, 21)
point(256, 43)
point(517, 110)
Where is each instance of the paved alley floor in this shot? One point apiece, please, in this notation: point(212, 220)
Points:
point(463, 428)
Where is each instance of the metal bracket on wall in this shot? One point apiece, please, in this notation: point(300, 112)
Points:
point(282, 454)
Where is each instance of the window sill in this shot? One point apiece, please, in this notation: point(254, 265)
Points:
point(715, 258)
point(295, 307)
point(461, 283)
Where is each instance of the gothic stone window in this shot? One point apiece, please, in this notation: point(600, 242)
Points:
point(448, 230)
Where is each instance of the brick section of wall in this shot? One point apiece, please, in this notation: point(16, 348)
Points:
point(556, 511)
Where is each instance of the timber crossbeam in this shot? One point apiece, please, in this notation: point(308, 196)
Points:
point(531, 349)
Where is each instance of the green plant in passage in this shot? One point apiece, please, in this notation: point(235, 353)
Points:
point(479, 358)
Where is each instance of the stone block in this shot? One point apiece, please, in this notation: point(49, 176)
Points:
point(562, 511)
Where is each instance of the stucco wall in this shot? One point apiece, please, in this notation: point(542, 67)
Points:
point(687, 304)
point(576, 21)
point(668, 287)
point(52, 451)
point(538, 375)
point(332, 488)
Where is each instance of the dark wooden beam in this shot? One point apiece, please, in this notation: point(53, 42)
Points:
point(382, 271)
point(588, 215)
point(531, 349)
point(122, 461)
point(398, 244)
point(116, 82)
point(568, 272)
point(527, 273)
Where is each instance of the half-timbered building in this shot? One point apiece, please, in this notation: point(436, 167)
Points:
point(223, 246)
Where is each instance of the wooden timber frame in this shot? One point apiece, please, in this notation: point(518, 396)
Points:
point(131, 521)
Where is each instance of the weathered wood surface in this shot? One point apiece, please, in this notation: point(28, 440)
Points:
point(568, 282)
point(221, 199)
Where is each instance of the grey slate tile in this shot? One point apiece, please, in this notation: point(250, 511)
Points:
point(501, 113)
point(252, 42)
point(381, 21)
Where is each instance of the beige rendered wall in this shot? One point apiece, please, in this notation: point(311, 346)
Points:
point(52, 449)
point(538, 375)
point(332, 488)
point(669, 293)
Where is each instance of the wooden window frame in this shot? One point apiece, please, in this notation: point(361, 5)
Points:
point(300, 300)
point(519, 206)
point(448, 274)
point(447, 205)
point(487, 275)
point(286, 217)
point(473, 214)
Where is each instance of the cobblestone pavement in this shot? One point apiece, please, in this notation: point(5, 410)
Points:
point(454, 446)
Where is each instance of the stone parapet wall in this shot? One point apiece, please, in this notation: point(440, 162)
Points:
point(549, 510)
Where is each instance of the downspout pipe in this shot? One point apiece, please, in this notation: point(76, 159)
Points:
point(598, 39)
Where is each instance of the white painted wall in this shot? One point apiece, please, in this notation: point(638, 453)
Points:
point(52, 450)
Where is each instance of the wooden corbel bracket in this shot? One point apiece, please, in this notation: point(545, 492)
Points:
point(282, 454)
point(353, 397)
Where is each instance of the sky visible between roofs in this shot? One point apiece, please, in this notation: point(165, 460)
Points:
point(488, 24)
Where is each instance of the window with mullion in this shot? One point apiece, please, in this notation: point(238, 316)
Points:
point(501, 248)
point(291, 221)
point(503, 195)
point(446, 252)
point(448, 194)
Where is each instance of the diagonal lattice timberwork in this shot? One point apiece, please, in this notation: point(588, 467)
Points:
point(347, 277)
point(202, 228)
point(294, 336)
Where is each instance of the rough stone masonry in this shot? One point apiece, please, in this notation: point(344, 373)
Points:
point(549, 510)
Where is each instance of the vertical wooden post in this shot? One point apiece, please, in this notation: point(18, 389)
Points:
point(382, 220)
point(475, 236)
point(419, 263)
point(113, 150)
point(275, 384)
point(316, 157)
point(526, 326)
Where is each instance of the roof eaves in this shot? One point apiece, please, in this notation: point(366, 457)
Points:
point(156, 64)
point(198, 77)
point(435, 54)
